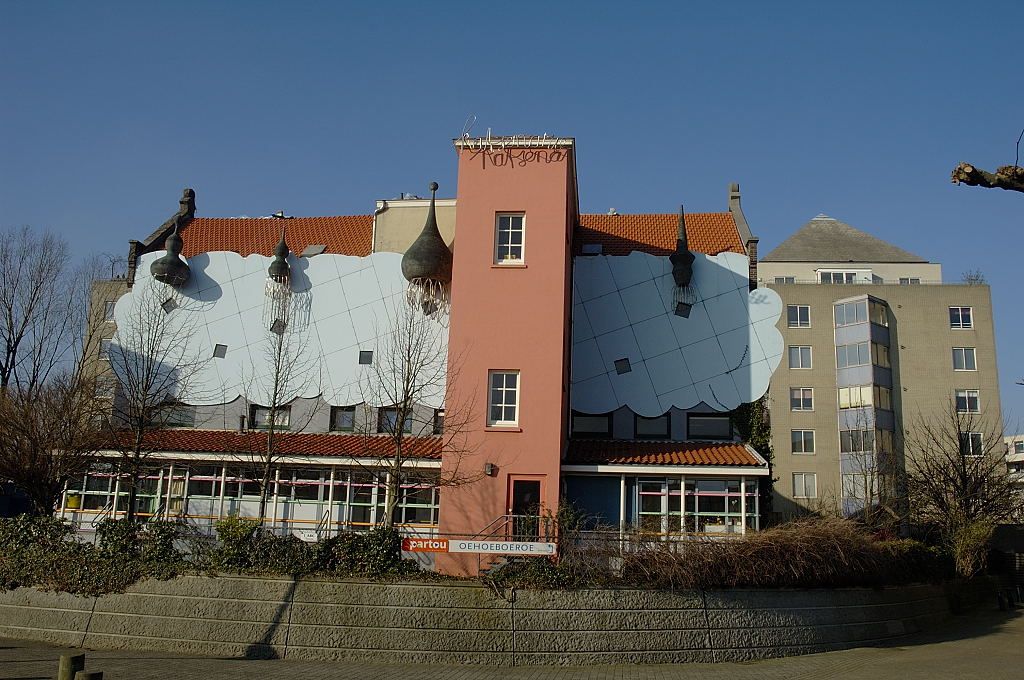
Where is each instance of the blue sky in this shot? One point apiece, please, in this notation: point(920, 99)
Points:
point(859, 110)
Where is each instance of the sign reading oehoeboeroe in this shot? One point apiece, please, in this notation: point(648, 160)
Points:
point(470, 546)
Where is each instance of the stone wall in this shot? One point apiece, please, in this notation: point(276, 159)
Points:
point(467, 623)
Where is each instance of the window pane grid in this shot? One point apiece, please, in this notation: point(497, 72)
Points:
point(509, 242)
point(504, 398)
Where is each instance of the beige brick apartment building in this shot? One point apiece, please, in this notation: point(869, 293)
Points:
point(875, 342)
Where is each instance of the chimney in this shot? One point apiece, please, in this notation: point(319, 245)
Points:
point(748, 240)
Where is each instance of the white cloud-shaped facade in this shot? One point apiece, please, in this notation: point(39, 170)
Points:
point(722, 355)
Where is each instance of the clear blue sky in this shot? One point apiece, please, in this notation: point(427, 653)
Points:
point(859, 110)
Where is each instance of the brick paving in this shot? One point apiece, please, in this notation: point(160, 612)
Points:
point(988, 645)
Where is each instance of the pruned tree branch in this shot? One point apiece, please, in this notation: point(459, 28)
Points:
point(1009, 177)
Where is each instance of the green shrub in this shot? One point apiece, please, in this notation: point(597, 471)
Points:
point(118, 537)
point(236, 543)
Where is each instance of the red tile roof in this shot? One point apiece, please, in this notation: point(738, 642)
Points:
point(289, 443)
point(343, 235)
point(626, 452)
point(710, 233)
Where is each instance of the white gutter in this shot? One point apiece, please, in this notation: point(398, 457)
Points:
point(312, 459)
point(668, 469)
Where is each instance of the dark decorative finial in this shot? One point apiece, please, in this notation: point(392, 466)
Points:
point(279, 270)
point(171, 268)
point(682, 258)
point(187, 204)
point(428, 258)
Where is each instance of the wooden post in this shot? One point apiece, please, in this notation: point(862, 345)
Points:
point(85, 675)
point(70, 664)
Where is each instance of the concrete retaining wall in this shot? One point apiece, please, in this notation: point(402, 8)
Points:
point(466, 623)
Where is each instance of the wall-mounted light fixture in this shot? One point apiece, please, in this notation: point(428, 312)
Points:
point(489, 469)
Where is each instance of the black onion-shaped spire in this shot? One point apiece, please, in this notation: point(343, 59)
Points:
point(278, 269)
point(428, 257)
point(170, 268)
point(682, 258)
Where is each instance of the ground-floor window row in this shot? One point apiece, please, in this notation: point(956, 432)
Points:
point(673, 504)
point(318, 499)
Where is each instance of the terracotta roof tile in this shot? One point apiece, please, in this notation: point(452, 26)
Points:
point(343, 235)
point(627, 452)
point(710, 233)
point(293, 443)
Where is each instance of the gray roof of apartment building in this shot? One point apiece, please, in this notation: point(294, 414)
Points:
point(826, 239)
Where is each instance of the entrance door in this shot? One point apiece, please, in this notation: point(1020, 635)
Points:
point(524, 506)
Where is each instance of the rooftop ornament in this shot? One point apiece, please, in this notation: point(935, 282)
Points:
point(278, 289)
point(684, 295)
point(427, 266)
point(171, 269)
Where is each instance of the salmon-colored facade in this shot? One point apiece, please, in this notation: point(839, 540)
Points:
point(510, 317)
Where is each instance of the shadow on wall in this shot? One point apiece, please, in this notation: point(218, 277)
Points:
point(265, 647)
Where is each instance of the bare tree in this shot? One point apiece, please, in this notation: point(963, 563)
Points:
point(155, 370)
point(48, 437)
point(957, 481)
point(411, 368)
point(47, 388)
point(871, 474)
point(287, 367)
point(40, 306)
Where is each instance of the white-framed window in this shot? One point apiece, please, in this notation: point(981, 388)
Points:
point(964, 359)
point(108, 310)
point(798, 316)
point(438, 421)
point(509, 238)
point(849, 313)
point(387, 421)
point(968, 401)
point(856, 396)
point(910, 281)
point(259, 417)
point(805, 485)
point(802, 441)
point(800, 356)
point(1018, 447)
point(857, 354)
point(961, 317)
point(105, 348)
point(801, 398)
point(856, 441)
point(837, 277)
point(343, 418)
point(785, 279)
point(971, 444)
point(503, 404)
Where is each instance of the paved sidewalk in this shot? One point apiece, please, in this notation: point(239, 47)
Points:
point(989, 645)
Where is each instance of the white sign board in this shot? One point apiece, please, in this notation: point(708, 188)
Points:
point(501, 547)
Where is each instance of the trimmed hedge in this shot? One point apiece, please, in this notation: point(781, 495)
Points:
point(44, 553)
